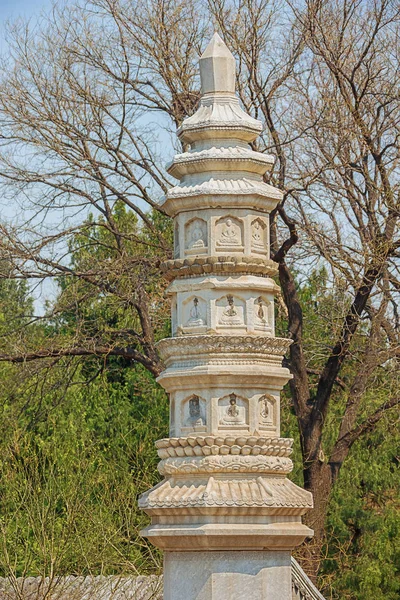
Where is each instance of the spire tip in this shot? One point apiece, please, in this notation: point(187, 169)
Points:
point(217, 67)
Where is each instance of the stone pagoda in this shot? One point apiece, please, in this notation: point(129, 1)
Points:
point(225, 514)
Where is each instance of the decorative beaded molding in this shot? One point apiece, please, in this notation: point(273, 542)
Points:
point(223, 450)
point(219, 440)
point(220, 445)
point(203, 265)
point(183, 346)
point(225, 464)
point(245, 359)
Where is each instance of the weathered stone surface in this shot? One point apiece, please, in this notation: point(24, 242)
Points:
point(217, 68)
point(227, 576)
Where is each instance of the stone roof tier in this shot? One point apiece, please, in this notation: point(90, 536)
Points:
point(219, 115)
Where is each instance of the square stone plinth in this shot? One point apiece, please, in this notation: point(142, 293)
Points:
point(229, 575)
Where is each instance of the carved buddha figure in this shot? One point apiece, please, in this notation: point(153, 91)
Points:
point(195, 318)
point(230, 310)
point(230, 314)
point(257, 236)
point(230, 234)
point(262, 314)
point(197, 236)
point(194, 419)
point(266, 410)
point(261, 311)
point(233, 414)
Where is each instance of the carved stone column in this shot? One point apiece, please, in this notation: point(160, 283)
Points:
point(225, 514)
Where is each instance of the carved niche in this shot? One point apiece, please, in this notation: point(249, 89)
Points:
point(196, 236)
point(194, 313)
point(229, 234)
point(267, 412)
point(230, 312)
point(194, 413)
point(258, 236)
point(262, 314)
point(177, 250)
point(233, 412)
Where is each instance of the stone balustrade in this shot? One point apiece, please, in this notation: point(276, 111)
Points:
point(118, 588)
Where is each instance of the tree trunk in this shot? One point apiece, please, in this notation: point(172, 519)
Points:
point(317, 480)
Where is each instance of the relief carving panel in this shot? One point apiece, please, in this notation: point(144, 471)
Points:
point(225, 464)
point(267, 412)
point(262, 314)
point(194, 413)
point(258, 236)
point(196, 236)
point(232, 412)
point(194, 315)
point(230, 312)
point(229, 234)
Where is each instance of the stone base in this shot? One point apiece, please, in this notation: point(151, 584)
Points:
point(230, 575)
point(280, 535)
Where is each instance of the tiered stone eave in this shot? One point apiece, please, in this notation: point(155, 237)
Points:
point(221, 193)
point(274, 494)
point(232, 158)
point(219, 117)
point(209, 375)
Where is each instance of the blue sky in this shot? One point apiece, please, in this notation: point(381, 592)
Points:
point(11, 9)
point(14, 8)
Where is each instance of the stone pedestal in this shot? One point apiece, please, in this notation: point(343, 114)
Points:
point(234, 575)
point(225, 514)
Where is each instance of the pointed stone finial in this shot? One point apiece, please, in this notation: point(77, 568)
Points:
point(217, 67)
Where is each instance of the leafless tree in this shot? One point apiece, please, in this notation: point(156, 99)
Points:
point(73, 140)
point(330, 102)
point(77, 101)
